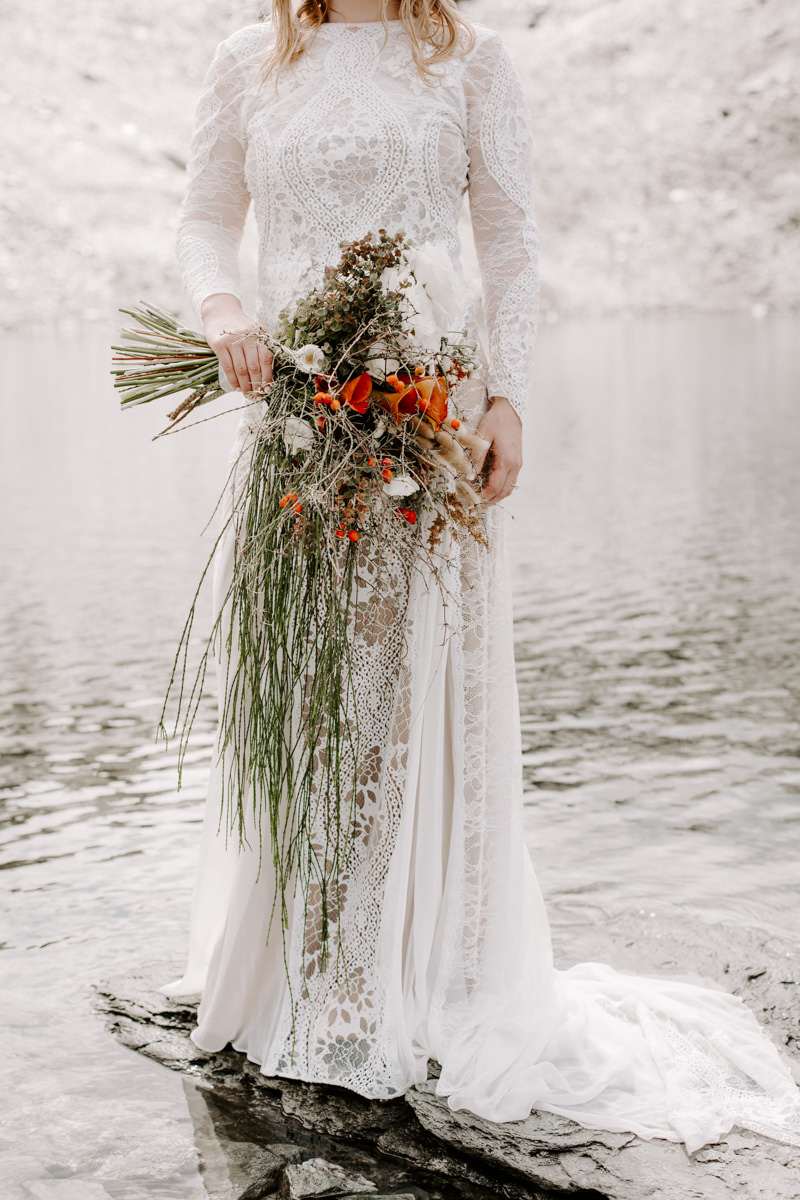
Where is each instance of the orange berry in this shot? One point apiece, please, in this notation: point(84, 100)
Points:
point(371, 462)
point(386, 473)
point(419, 372)
point(391, 379)
point(340, 533)
point(455, 423)
point(335, 405)
point(322, 398)
point(386, 462)
point(297, 508)
point(353, 535)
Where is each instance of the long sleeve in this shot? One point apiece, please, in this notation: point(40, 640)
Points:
point(217, 199)
point(499, 144)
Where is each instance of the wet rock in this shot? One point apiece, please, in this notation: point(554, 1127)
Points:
point(316, 1177)
point(334, 1110)
point(414, 1146)
point(248, 1172)
point(554, 1153)
point(145, 1020)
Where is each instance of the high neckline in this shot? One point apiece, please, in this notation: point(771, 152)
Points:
point(359, 24)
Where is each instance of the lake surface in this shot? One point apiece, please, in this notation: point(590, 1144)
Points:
point(656, 552)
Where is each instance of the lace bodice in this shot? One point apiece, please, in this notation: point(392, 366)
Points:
point(352, 139)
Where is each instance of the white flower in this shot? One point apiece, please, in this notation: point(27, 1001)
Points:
point(422, 318)
point(393, 277)
point(433, 269)
point(380, 363)
point(401, 485)
point(310, 359)
point(297, 435)
point(432, 294)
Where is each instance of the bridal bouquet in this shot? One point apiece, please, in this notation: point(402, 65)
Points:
point(357, 443)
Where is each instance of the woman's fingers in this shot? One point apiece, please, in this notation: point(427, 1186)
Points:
point(226, 362)
point(500, 425)
point(252, 361)
point(246, 362)
point(498, 485)
point(265, 361)
point(479, 458)
point(240, 366)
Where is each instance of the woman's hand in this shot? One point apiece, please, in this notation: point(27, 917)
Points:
point(230, 334)
point(501, 463)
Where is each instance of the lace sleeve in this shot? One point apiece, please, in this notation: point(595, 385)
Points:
point(501, 207)
point(217, 199)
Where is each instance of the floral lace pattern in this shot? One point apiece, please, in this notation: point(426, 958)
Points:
point(353, 140)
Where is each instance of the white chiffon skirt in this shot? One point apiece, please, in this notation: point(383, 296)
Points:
point(443, 939)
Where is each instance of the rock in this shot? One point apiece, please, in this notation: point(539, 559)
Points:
point(334, 1110)
point(66, 1189)
point(145, 1020)
point(249, 1172)
point(291, 1124)
point(316, 1177)
point(415, 1146)
point(554, 1153)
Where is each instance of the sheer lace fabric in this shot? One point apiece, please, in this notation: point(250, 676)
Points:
point(442, 938)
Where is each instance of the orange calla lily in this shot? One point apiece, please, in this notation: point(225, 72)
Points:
point(427, 396)
point(437, 401)
point(389, 401)
point(356, 393)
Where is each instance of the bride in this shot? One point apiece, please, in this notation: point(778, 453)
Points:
point(336, 118)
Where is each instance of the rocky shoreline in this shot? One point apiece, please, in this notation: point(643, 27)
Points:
point(260, 1137)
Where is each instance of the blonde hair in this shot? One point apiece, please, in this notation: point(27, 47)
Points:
point(435, 30)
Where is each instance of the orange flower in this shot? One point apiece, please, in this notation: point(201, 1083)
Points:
point(388, 401)
point(356, 393)
point(425, 395)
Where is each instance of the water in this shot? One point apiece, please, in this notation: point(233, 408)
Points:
point(657, 594)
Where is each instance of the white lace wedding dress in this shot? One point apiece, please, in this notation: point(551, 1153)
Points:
point(443, 932)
